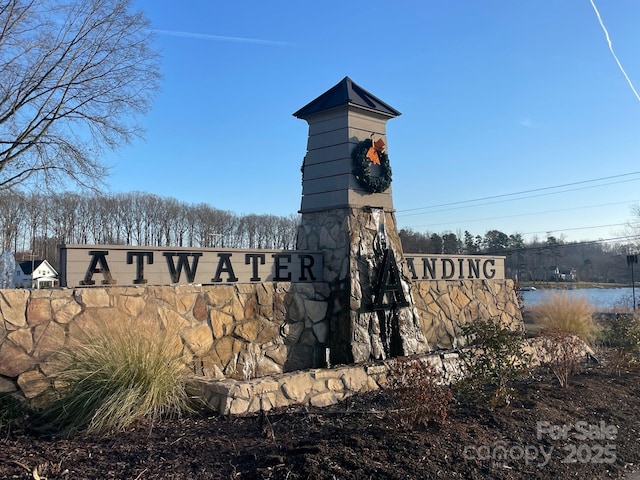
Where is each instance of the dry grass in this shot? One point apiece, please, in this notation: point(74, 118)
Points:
point(561, 313)
point(118, 374)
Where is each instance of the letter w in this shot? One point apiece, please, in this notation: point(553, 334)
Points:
point(183, 263)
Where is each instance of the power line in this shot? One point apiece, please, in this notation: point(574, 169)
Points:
point(528, 214)
point(576, 228)
point(504, 195)
point(514, 199)
point(560, 245)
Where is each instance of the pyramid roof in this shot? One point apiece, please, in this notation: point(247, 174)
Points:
point(346, 92)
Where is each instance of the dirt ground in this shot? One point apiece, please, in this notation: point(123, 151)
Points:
point(588, 431)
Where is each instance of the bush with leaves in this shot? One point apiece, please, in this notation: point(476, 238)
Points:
point(117, 374)
point(622, 336)
point(494, 357)
point(418, 393)
point(561, 352)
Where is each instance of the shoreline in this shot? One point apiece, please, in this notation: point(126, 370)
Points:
point(573, 285)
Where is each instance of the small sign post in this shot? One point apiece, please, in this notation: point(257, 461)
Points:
point(631, 259)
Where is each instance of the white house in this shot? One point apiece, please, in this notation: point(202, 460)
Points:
point(35, 274)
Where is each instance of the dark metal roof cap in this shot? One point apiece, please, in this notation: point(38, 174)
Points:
point(346, 93)
point(29, 266)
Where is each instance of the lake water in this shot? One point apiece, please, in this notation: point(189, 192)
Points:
point(601, 298)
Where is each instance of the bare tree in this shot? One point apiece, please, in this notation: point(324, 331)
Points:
point(73, 73)
point(11, 212)
point(632, 228)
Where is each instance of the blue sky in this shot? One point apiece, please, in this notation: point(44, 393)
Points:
point(497, 97)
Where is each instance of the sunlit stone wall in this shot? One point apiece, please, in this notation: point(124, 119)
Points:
point(229, 331)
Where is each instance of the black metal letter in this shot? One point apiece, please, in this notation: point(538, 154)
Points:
point(445, 262)
point(252, 258)
point(493, 270)
point(389, 284)
point(412, 268)
point(278, 267)
point(304, 266)
point(98, 258)
point(183, 263)
point(224, 265)
point(429, 265)
point(139, 264)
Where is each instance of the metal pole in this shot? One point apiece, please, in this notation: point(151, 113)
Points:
point(633, 288)
point(631, 259)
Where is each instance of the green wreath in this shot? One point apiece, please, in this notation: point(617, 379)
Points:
point(362, 168)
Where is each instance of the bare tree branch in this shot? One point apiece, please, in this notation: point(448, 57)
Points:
point(73, 75)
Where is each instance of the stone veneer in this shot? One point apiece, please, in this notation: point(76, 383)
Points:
point(226, 331)
point(352, 241)
point(323, 387)
point(230, 331)
point(316, 387)
point(445, 306)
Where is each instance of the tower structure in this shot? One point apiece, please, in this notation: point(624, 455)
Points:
point(347, 213)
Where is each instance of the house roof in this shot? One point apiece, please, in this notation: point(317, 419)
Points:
point(346, 92)
point(29, 266)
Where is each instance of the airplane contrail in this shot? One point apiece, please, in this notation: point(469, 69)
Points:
point(221, 38)
point(606, 34)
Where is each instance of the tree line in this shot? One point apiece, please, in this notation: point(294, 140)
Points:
point(538, 260)
point(33, 224)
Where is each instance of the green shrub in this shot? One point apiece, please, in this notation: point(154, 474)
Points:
point(494, 358)
point(417, 392)
point(117, 374)
point(622, 336)
point(622, 331)
point(561, 313)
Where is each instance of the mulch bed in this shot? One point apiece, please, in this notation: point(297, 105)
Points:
point(360, 439)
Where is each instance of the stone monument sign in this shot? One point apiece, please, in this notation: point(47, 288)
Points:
point(347, 294)
point(347, 213)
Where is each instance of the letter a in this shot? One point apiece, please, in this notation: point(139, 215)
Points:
point(389, 284)
point(98, 257)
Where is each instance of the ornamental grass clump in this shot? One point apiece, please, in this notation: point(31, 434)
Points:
point(561, 313)
point(117, 374)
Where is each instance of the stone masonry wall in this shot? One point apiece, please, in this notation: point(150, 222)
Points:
point(444, 307)
point(352, 240)
point(315, 387)
point(225, 331)
point(234, 331)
